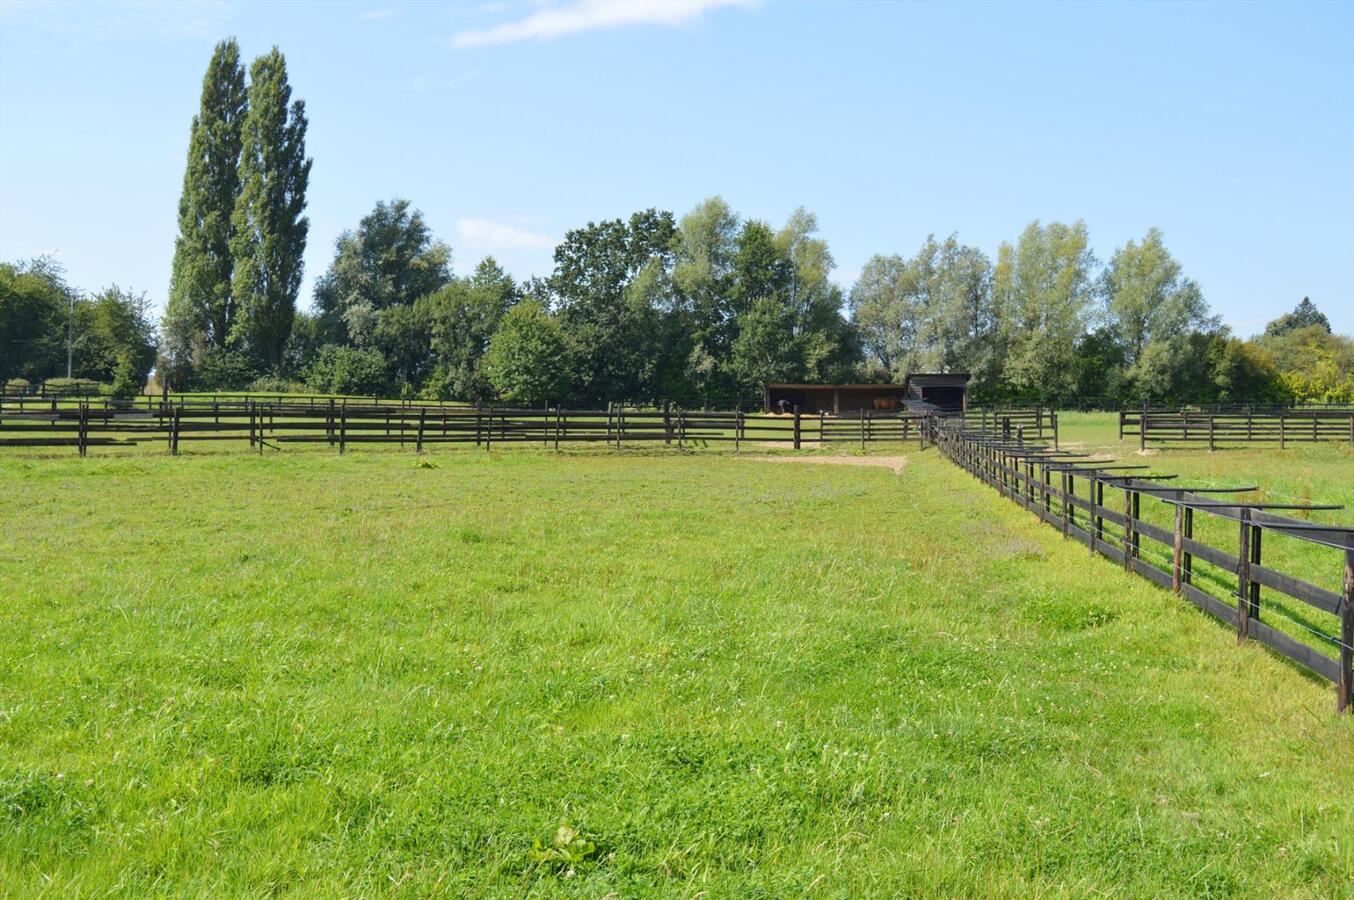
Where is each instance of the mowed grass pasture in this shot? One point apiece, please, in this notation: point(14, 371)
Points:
point(370, 674)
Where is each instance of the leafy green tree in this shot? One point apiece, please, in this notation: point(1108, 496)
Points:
point(1100, 369)
point(1153, 308)
point(1304, 315)
point(766, 349)
point(269, 228)
point(761, 268)
point(705, 247)
point(610, 327)
point(347, 370)
point(829, 346)
point(527, 359)
point(461, 319)
point(201, 309)
point(1314, 364)
point(1043, 291)
point(789, 325)
point(390, 260)
point(115, 329)
point(35, 303)
point(885, 312)
point(931, 313)
point(303, 343)
point(1243, 371)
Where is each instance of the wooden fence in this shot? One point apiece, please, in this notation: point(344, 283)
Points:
point(1067, 490)
point(1038, 421)
point(1242, 426)
point(340, 424)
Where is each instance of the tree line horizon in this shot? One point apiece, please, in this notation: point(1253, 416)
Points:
point(709, 305)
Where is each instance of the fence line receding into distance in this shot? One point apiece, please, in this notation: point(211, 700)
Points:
point(1045, 481)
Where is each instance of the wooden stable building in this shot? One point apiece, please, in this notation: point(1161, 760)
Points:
point(947, 391)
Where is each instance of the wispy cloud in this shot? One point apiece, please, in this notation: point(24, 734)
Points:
point(501, 236)
point(591, 15)
point(159, 20)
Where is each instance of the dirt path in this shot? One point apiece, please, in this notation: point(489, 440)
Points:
point(896, 463)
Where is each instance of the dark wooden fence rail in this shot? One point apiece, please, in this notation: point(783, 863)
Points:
point(339, 424)
point(1044, 481)
point(1239, 426)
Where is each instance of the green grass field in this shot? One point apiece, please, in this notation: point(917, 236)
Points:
point(301, 673)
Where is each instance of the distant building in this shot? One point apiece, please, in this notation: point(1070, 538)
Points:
point(947, 391)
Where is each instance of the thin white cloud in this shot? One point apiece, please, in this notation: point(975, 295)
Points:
point(591, 15)
point(501, 236)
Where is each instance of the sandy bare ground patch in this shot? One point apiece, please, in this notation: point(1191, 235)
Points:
point(896, 463)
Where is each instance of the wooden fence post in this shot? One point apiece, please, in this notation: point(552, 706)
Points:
point(1187, 572)
point(1142, 430)
point(1243, 578)
point(1281, 430)
point(738, 431)
point(422, 419)
point(796, 427)
point(1179, 548)
point(1211, 445)
point(1091, 518)
point(1067, 504)
point(1053, 418)
point(1345, 686)
point(1128, 528)
point(1121, 424)
point(1099, 505)
point(1256, 534)
point(862, 429)
point(343, 430)
point(667, 421)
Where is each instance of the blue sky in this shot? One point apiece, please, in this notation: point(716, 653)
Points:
point(1231, 127)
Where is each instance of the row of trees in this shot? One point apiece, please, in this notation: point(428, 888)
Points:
point(641, 308)
point(48, 329)
point(1046, 322)
point(710, 304)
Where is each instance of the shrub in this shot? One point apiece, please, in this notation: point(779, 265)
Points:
point(127, 380)
point(346, 370)
point(18, 386)
point(224, 370)
point(272, 384)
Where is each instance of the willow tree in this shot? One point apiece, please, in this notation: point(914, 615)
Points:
point(270, 231)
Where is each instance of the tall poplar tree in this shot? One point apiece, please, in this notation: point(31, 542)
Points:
point(270, 232)
point(200, 310)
